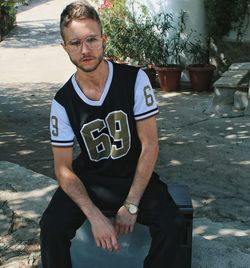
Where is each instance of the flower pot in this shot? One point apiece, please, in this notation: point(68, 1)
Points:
point(201, 76)
point(169, 77)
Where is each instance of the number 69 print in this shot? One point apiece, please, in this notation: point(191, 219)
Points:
point(115, 144)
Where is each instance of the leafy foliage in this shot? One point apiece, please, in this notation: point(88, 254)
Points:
point(7, 15)
point(142, 37)
point(8, 6)
point(226, 15)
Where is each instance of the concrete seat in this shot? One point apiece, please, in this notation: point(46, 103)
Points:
point(133, 249)
point(134, 246)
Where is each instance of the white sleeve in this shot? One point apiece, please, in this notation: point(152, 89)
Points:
point(145, 103)
point(61, 132)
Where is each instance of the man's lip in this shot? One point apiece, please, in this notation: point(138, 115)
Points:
point(87, 59)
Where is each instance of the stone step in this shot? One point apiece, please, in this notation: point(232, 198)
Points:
point(235, 73)
point(240, 100)
point(240, 66)
point(231, 79)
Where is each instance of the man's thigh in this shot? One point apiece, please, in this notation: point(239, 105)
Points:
point(157, 205)
point(62, 212)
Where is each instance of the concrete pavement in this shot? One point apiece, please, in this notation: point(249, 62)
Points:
point(209, 154)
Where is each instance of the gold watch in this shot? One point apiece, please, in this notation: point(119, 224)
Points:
point(132, 208)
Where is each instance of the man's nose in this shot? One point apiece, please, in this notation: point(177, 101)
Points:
point(84, 48)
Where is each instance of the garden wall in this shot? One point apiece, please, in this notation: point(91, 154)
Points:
point(225, 53)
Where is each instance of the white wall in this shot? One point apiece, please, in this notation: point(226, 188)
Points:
point(196, 12)
point(194, 8)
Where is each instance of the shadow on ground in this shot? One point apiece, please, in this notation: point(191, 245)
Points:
point(33, 34)
point(24, 131)
point(209, 154)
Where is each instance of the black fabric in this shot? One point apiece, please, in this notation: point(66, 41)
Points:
point(119, 98)
point(108, 180)
point(157, 210)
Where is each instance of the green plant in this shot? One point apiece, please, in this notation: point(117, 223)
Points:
point(8, 6)
point(226, 15)
point(7, 15)
point(198, 52)
point(173, 41)
point(114, 20)
point(142, 37)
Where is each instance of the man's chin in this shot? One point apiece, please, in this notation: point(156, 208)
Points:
point(89, 68)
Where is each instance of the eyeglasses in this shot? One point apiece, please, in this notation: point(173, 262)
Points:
point(91, 42)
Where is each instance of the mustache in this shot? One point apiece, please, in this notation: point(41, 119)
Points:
point(87, 57)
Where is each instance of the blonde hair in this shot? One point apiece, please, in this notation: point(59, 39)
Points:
point(76, 11)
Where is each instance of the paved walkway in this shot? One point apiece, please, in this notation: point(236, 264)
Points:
point(209, 154)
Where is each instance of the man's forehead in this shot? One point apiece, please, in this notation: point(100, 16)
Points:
point(82, 28)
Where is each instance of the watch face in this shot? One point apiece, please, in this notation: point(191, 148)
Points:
point(133, 209)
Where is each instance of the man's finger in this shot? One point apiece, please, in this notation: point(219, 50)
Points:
point(98, 243)
point(117, 228)
point(115, 243)
point(108, 245)
point(131, 228)
point(122, 229)
point(126, 229)
point(103, 244)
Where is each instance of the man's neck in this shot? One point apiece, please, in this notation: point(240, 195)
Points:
point(92, 83)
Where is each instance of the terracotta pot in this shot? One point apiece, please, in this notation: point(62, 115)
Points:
point(169, 77)
point(201, 76)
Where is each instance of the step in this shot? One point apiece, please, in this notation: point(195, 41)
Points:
point(231, 79)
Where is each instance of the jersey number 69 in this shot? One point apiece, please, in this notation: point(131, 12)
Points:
point(101, 145)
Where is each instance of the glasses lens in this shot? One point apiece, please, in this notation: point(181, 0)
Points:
point(74, 45)
point(92, 42)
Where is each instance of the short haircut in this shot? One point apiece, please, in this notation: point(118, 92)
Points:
point(77, 11)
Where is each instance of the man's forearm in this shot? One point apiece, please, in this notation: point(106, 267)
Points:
point(143, 173)
point(75, 189)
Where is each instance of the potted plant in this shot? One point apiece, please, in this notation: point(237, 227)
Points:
point(130, 35)
point(143, 37)
point(172, 44)
point(200, 71)
point(114, 15)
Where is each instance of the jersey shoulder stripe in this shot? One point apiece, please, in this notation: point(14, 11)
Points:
point(147, 114)
point(58, 143)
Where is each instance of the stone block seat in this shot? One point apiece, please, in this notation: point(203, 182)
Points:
point(134, 246)
point(232, 92)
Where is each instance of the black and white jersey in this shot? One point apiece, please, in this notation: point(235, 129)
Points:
point(105, 129)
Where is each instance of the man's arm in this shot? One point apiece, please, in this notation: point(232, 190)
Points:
point(103, 231)
point(147, 132)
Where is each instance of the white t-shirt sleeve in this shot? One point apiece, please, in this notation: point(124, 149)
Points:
point(61, 132)
point(145, 104)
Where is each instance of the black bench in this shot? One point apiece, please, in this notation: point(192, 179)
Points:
point(181, 196)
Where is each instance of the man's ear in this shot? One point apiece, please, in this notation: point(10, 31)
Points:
point(63, 45)
point(105, 39)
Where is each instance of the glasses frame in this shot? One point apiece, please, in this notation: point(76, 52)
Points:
point(73, 46)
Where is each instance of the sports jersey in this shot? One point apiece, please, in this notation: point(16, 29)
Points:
point(105, 129)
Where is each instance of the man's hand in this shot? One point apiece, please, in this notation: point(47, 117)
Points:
point(124, 221)
point(104, 232)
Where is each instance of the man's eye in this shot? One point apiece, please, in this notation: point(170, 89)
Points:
point(76, 43)
point(91, 39)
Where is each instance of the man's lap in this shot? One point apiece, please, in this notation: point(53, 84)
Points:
point(155, 203)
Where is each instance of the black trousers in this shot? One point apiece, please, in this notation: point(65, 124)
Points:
point(157, 210)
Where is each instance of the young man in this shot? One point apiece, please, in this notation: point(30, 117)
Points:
point(110, 109)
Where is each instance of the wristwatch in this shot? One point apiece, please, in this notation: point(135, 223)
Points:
point(132, 208)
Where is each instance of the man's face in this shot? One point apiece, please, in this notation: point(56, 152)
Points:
point(84, 44)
